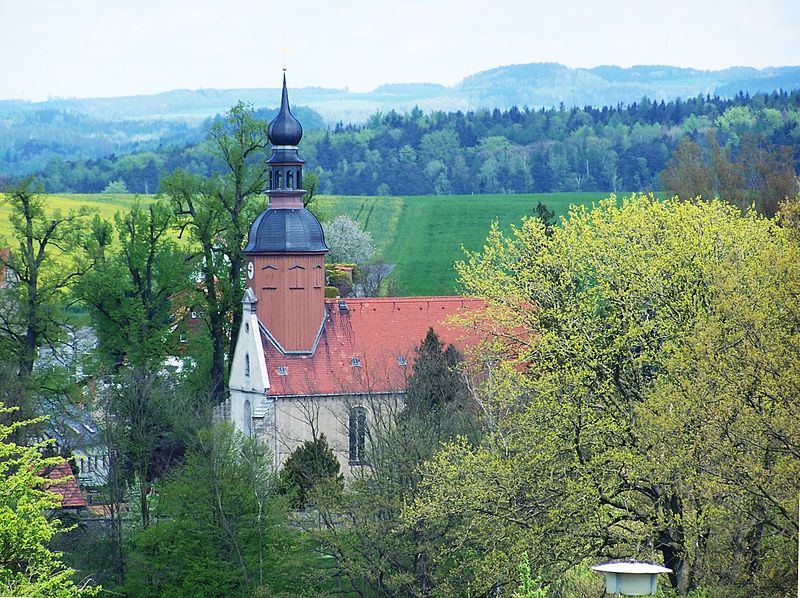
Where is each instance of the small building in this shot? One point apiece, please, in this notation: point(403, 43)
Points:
point(305, 365)
point(63, 483)
point(8, 277)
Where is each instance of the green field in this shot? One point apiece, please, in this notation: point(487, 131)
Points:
point(103, 205)
point(421, 236)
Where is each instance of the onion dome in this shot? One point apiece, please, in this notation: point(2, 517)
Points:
point(285, 129)
point(286, 231)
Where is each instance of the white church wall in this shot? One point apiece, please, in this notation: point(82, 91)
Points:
point(297, 419)
point(249, 381)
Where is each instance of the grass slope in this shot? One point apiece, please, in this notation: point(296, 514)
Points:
point(422, 236)
point(103, 205)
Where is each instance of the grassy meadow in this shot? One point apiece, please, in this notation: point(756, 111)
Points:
point(422, 235)
point(103, 205)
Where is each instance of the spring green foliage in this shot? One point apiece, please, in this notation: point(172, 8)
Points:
point(639, 395)
point(47, 256)
point(27, 566)
point(216, 212)
point(528, 587)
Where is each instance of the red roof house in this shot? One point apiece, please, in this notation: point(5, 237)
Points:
point(63, 483)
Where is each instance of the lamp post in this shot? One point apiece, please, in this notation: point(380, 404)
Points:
point(629, 578)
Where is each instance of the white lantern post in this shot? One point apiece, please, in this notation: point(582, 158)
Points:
point(631, 578)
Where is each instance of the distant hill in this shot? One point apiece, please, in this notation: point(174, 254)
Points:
point(34, 134)
point(535, 85)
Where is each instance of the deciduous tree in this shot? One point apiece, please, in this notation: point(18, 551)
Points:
point(594, 451)
point(27, 566)
point(217, 212)
point(47, 256)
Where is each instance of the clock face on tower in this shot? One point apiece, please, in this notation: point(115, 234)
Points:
point(250, 270)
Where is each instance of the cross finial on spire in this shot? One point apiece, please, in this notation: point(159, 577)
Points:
point(285, 49)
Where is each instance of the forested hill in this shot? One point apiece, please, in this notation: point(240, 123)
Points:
point(536, 85)
point(614, 148)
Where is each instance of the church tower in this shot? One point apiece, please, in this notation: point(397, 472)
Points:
point(286, 247)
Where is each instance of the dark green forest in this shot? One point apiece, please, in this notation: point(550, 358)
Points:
point(520, 150)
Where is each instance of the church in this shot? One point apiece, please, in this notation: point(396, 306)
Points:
point(305, 365)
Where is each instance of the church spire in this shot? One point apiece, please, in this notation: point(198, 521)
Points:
point(285, 129)
point(286, 247)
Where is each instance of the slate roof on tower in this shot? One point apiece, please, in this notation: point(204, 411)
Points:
point(367, 345)
point(286, 230)
point(285, 129)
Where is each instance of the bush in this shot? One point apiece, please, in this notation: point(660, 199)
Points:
point(308, 466)
point(117, 186)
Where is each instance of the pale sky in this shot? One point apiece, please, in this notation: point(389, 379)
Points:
point(96, 48)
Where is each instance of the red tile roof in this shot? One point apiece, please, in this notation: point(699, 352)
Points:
point(71, 496)
point(375, 332)
point(5, 256)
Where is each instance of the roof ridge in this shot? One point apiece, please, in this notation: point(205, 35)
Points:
point(402, 299)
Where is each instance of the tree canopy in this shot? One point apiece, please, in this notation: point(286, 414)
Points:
point(639, 368)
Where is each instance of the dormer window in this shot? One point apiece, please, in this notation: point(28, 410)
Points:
point(355, 362)
point(402, 361)
point(282, 370)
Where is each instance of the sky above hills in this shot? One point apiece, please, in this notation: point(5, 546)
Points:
point(96, 48)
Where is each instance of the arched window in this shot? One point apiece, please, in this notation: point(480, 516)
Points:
point(247, 419)
point(247, 364)
point(289, 179)
point(319, 276)
point(296, 275)
point(270, 277)
point(299, 179)
point(278, 181)
point(357, 432)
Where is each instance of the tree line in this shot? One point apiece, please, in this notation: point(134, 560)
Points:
point(612, 148)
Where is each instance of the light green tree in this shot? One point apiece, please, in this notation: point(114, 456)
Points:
point(131, 293)
point(27, 566)
point(593, 452)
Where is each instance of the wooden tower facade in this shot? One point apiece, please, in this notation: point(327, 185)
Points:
point(286, 247)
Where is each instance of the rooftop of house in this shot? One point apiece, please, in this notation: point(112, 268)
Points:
point(5, 257)
point(68, 490)
point(367, 345)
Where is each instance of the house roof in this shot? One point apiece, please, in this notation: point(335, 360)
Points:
point(364, 345)
point(5, 257)
point(71, 496)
